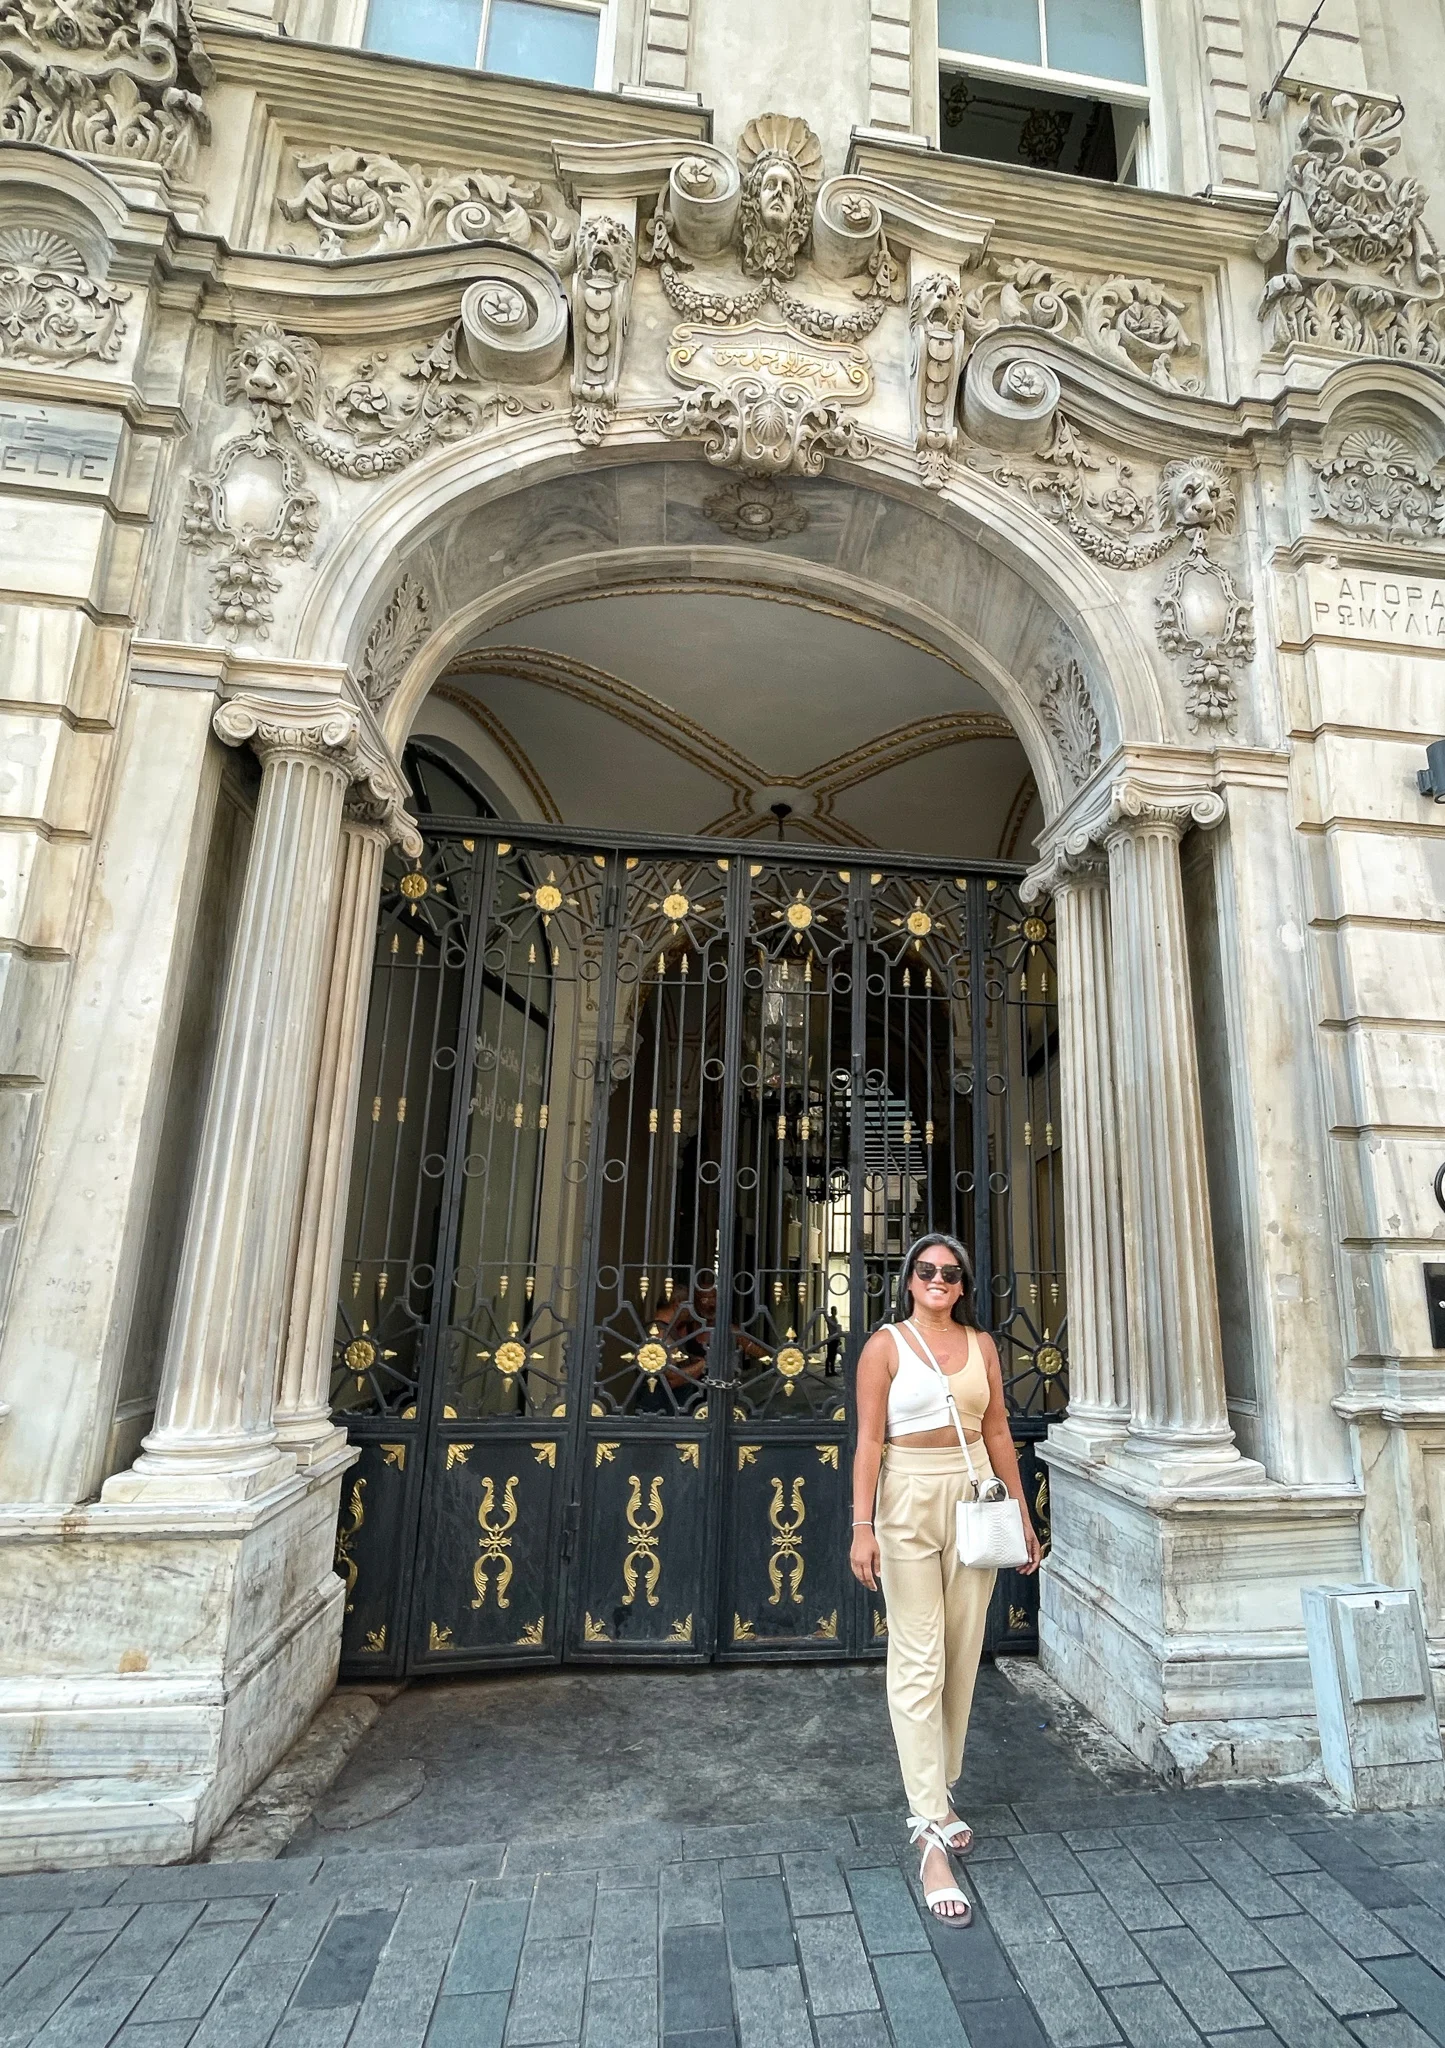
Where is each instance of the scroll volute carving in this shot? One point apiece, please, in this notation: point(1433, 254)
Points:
point(120, 79)
point(514, 320)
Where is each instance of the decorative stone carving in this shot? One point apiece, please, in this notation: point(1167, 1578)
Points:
point(781, 161)
point(359, 200)
point(1068, 711)
point(1128, 321)
point(514, 320)
point(107, 78)
point(601, 295)
point(1361, 272)
point(756, 509)
point(393, 640)
point(1201, 617)
point(936, 347)
point(1375, 485)
point(51, 312)
point(766, 400)
point(253, 506)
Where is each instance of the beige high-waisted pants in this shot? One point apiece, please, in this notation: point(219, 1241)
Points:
point(936, 1613)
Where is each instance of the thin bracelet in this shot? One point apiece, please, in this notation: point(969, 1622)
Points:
point(862, 1525)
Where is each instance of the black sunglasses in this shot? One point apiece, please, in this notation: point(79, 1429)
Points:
point(949, 1275)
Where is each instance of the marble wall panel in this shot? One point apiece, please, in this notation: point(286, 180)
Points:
point(56, 551)
point(1381, 971)
point(1362, 776)
point(1362, 873)
point(49, 771)
point(1229, 1575)
point(1368, 687)
point(1386, 1186)
point(1386, 1074)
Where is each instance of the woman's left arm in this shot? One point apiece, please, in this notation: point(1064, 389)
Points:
point(998, 1440)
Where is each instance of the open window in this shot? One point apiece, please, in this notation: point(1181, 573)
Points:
point(560, 42)
point(1061, 85)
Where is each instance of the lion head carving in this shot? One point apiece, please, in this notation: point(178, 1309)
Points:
point(1196, 494)
point(273, 372)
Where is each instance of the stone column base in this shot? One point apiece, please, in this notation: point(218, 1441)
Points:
point(183, 1650)
point(1174, 1615)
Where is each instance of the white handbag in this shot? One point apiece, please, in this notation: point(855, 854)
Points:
point(989, 1530)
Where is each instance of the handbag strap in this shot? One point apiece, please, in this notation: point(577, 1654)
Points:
point(948, 1397)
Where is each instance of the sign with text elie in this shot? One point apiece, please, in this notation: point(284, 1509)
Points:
point(1361, 604)
point(57, 448)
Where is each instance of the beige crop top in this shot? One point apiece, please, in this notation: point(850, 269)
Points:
point(915, 1394)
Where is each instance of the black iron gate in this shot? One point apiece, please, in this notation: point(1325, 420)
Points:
point(644, 1130)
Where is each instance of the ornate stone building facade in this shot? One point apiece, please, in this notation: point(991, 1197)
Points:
point(1005, 447)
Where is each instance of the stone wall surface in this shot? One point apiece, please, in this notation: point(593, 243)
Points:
point(315, 365)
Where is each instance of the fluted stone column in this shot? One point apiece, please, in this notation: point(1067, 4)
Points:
point(1179, 1428)
point(214, 1433)
point(1078, 881)
point(303, 1408)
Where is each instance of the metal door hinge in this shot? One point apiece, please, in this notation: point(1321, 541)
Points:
point(571, 1522)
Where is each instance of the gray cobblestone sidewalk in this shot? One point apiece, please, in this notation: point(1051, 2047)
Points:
point(1244, 1919)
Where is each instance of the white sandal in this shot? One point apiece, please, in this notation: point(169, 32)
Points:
point(957, 1836)
point(930, 1834)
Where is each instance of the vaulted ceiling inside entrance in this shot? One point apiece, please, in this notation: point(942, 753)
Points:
point(697, 709)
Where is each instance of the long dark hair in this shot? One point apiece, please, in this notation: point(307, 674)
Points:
point(962, 1310)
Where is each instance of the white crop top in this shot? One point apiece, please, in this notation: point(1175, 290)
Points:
point(915, 1394)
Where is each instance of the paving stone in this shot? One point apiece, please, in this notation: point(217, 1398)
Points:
point(1293, 2011)
point(475, 2020)
point(771, 2009)
point(1235, 1870)
point(691, 1895)
point(22, 1933)
point(751, 1866)
point(1413, 1984)
point(995, 1849)
point(1197, 1981)
point(1092, 1838)
point(835, 1966)
point(548, 1997)
point(44, 1983)
point(768, 1838)
point(974, 1966)
point(624, 1935)
point(1323, 1964)
point(63, 1890)
point(1253, 2037)
point(858, 2030)
point(815, 1885)
point(1392, 2030)
point(409, 1971)
point(712, 2037)
point(1160, 1855)
point(1001, 2023)
point(341, 1970)
point(95, 2010)
point(1353, 1927)
point(1424, 1881)
point(1422, 1929)
point(621, 2013)
point(696, 1983)
point(1380, 1837)
point(917, 2001)
point(755, 1915)
point(397, 1869)
point(200, 1881)
point(253, 1910)
point(164, 2034)
point(1098, 1938)
point(196, 1972)
point(1272, 1849)
point(92, 1920)
point(993, 1821)
point(886, 1912)
point(630, 1877)
point(1063, 1997)
point(254, 1996)
point(874, 1830)
point(647, 1842)
point(1016, 1913)
point(488, 1948)
point(562, 1909)
point(1149, 2018)
point(1229, 1937)
point(1135, 1897)
point(326, 2028)
point(1052, 1865)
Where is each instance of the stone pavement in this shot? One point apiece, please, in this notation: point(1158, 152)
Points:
point(1107, 1911)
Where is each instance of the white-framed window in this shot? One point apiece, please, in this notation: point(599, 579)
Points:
point(561, 42)
point(1059, 84)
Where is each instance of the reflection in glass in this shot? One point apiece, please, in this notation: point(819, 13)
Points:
point(529, 40)
point(1007, 29)
point(1100, 38)
point(438, 31)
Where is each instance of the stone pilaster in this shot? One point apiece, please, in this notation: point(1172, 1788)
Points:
point(1179, 1428)
point(214, 1433)
point(1098, 1417)
point(303, 1409)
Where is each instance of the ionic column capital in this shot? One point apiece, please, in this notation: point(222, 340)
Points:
point(273, 727)
point(377, 801)
point(1076, 861)
point(1135, 807)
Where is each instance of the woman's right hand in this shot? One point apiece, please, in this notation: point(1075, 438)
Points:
point(863, 1557)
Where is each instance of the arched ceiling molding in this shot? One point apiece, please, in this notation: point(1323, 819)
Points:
point(1025, 797)
point(407, 518)
point(499, 737)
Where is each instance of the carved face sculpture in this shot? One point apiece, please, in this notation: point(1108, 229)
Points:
point(606, 246)
point(776, 215)
point(272, 371)
point(1196, 496)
